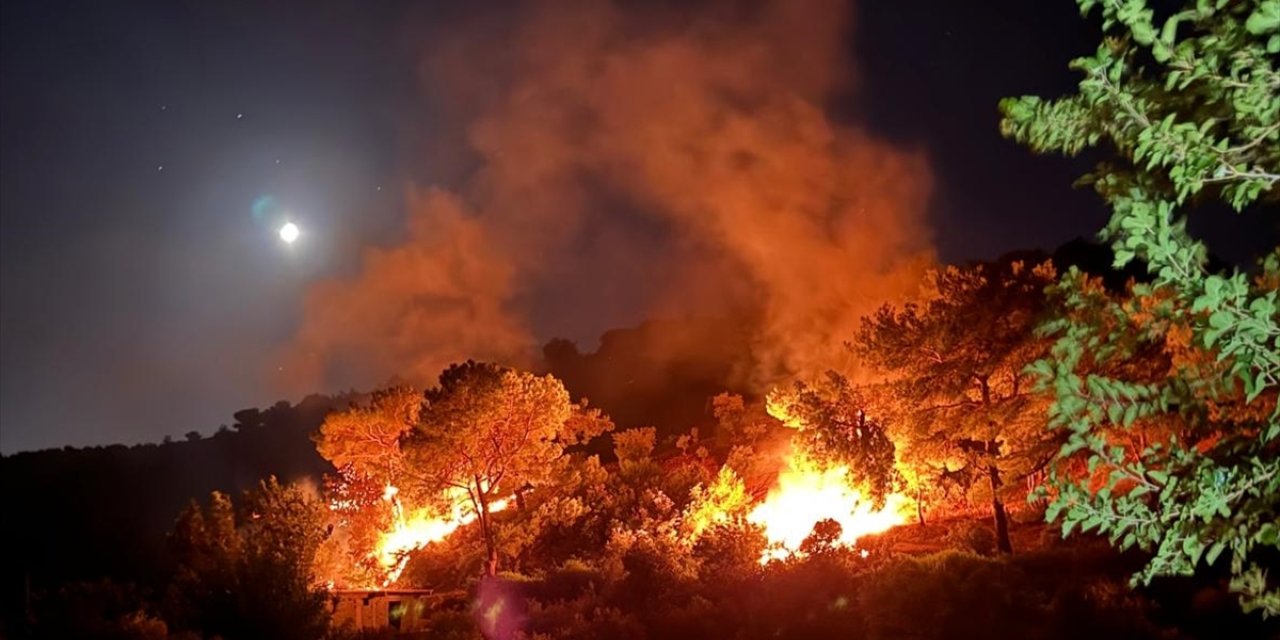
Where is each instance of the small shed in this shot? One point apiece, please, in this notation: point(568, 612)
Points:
point(399, 609)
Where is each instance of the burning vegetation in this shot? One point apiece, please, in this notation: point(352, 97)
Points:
point(703, 131)
point(877, 391)
point(809, 498)
point(512, 434)
point(503, 458)
point(670, 161)
point(496, 489)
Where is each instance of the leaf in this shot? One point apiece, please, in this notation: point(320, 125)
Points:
point(1130, 414)
point(1192, 548)
point(1268, 534)
point(1265, 20)
point(1092, 522)
point(1210, 337)
point(1051, 512)
point(1213, 286)
point(1115, 412)
point(1214, 550)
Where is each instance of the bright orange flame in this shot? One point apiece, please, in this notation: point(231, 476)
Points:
point(420, 528)
point(807, 494)
point(724, 499)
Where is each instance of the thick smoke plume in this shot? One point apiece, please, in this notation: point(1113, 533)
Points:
point(683, 157)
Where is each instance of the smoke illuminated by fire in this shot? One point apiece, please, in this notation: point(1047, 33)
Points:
point(807, 494)
point(620, 160)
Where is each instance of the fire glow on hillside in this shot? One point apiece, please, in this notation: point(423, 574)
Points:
point(380, 556)
point(419, 528)
point(807, 494)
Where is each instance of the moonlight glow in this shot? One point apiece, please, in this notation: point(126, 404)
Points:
point(289, 232)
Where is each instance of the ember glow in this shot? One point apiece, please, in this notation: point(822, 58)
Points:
point(419, 528)
point(807, 494)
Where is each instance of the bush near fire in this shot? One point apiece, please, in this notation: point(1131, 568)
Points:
point(904, 500)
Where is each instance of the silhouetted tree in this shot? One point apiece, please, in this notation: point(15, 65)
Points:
point(246, 571)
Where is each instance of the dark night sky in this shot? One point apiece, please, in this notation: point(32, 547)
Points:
point(139, 292)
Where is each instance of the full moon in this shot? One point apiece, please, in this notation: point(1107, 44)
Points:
point(289, 232)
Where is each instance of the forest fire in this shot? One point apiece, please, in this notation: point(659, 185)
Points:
point(807, 494)
point(420, 527)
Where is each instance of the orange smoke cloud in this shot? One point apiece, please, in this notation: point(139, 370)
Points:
point(413, 308)
point(708, 124)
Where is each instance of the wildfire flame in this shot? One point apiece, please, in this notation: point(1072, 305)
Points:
point(419, 528)
point(807, 494)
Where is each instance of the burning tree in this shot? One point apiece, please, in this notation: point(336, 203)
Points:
point(415, 466)
point(363, 442)
point(834, 428)
point(957, 388)
point(365, 439)
point(838, 480)
point(488, 432)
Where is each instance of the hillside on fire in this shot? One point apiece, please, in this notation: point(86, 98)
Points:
point(501, 502)
point(712, 319)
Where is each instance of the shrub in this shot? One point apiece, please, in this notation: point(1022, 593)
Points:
point(972, 537)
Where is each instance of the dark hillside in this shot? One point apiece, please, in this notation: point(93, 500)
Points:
point(83, 514)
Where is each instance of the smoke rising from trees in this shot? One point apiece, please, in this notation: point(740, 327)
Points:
point(709, 128)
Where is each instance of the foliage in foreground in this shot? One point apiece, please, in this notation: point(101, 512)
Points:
point(246, 570)
point(719, 594)
point(1189, 100)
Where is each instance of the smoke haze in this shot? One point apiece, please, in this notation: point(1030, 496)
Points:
point(656, 162)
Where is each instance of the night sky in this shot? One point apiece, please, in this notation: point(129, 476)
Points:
point(152, 149)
